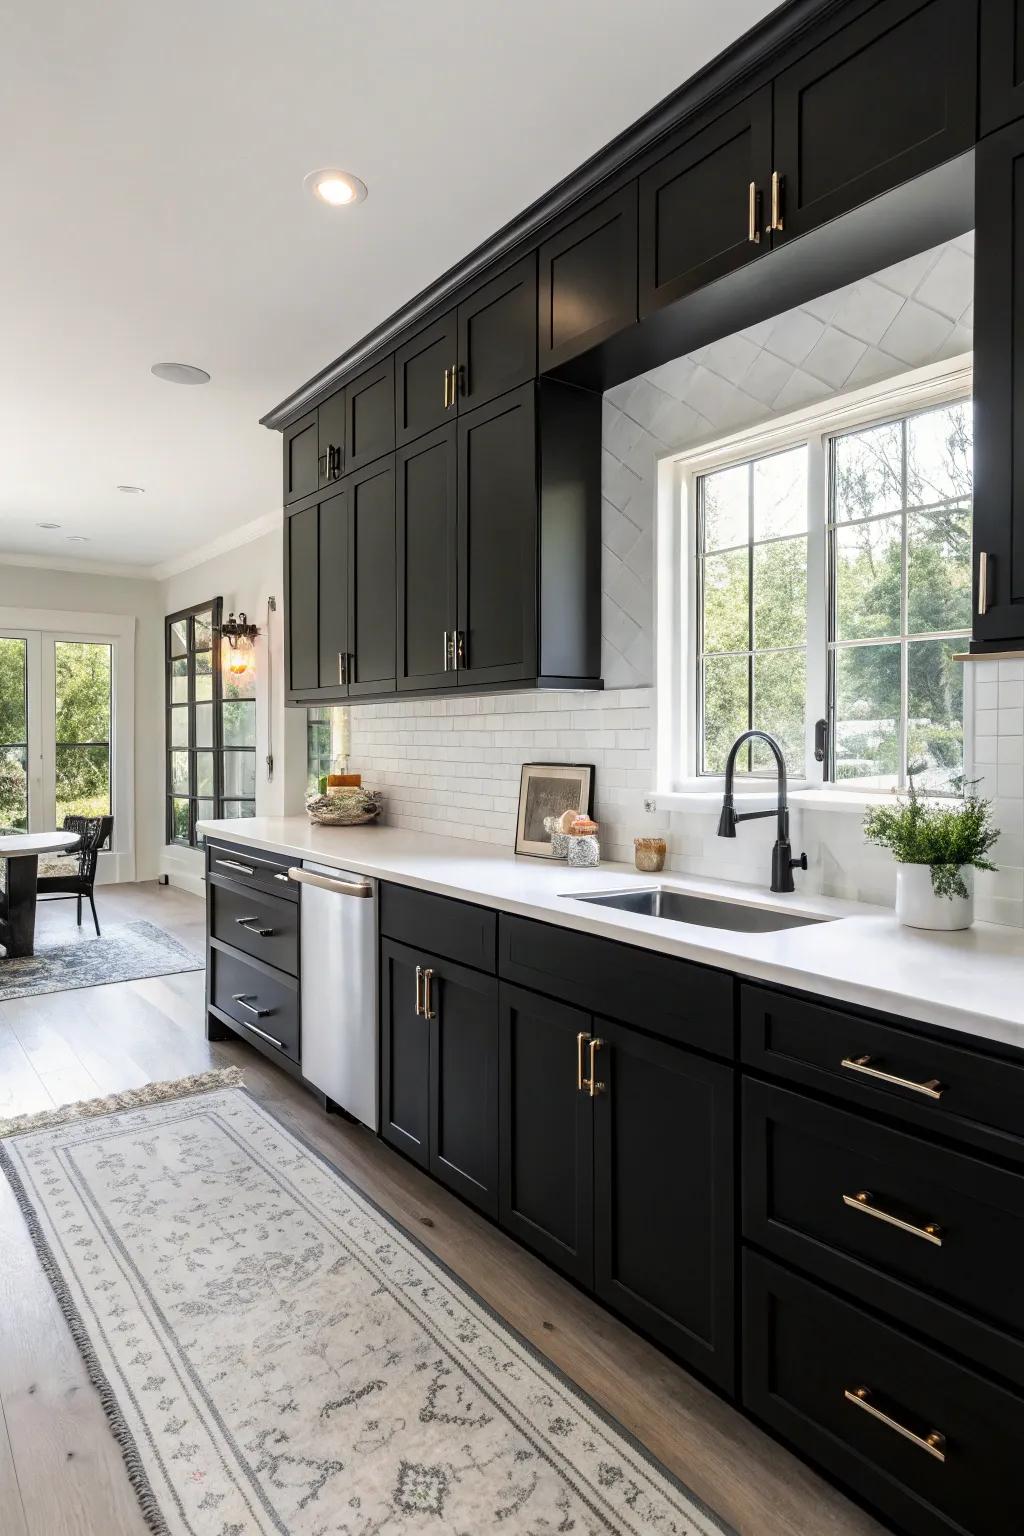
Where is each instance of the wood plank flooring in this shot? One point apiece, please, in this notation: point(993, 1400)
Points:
point(60, 1468)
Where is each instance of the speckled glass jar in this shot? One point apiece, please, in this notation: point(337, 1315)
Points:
point(560, 845)
point(649, 854)
point(584, 852)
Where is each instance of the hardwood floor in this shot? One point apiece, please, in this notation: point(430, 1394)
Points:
point(60, 1469)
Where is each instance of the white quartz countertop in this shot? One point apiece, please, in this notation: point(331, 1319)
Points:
point(971, 981)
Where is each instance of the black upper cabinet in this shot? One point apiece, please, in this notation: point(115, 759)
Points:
point(425, 378)
point(333, 589)
point(703, 207)
point(546, 1156)
point(998, 382)
point(889, 96)
point(371, 572)
point(587, 283)
point(1002, 63)
point(663, 1194)
point(370, 415)
point(330, 425)
point(497, 493)
point(427, 518)
point(462, 1011)
point(404, 1053)
point(300, 458)
point(302, 567)
point(497, 336)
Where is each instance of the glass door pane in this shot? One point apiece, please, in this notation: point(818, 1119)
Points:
point(14, 804)
point(82, 728)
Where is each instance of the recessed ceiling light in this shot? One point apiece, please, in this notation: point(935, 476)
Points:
point(133, 490)
point(77, 538)
point(47, 525)
point(339, 189)
point(180, 373)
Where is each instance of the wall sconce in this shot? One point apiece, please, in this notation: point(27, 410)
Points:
point(238, 653)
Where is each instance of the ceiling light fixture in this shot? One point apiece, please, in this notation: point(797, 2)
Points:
point(180, 373)
point(47, 525)
point(339, 189)
point(133, 490)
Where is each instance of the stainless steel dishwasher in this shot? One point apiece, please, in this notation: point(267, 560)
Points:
point(338, 926)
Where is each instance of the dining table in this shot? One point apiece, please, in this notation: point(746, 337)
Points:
point(21, 851)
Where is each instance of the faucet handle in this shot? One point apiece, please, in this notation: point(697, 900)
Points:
point(800, 863)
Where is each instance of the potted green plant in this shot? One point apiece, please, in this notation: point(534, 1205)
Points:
point(937, 846)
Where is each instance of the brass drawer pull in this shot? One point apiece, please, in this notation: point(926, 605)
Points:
point(982, 582)
point(590, 1083)
point(581, 1040)
point(862, 1201)
point(419, 991)
point(753, 198)
point(933, 1443)
point(932, 1089)
point(429, 1011)
point(446, 389)
point(776, 201)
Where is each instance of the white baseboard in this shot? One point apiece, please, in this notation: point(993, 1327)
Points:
point(185, 868)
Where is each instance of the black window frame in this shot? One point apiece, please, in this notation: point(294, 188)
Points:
point(215, 608)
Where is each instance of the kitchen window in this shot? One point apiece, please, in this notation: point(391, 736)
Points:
point(830, 580)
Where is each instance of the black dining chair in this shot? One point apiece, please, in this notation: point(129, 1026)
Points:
point(93, 832)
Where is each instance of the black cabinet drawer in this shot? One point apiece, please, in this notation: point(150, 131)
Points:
point(265, 926)
point(926, 1081)
point(916, 1229)
point(264, 1002)
point(259, 871)
point(657, 993)
point(878, 1409)
point(455, 929)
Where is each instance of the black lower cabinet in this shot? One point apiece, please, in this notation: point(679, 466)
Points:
point(546, 1137)
point(663, 1195)
point(439, 1078)
point(931, 1444)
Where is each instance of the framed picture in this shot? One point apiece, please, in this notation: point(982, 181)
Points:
point(549, 789)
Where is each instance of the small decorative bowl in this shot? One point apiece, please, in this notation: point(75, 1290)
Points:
point(350, 810)
point(649, 854)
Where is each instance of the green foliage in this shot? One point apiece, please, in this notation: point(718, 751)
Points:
point(82, 717)
point(947, 837)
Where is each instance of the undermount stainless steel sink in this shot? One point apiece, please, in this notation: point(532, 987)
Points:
point(681, 907)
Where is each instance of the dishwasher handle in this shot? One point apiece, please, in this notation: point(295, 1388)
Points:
point(325, 883)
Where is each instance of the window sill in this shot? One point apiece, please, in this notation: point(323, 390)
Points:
point(806, 797)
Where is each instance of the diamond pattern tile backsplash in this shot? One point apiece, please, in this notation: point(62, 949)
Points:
point(452, 766)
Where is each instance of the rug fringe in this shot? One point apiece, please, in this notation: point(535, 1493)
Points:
point(115, 1103)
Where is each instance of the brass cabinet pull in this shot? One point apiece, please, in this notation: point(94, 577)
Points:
point(581, 1040)
point(446, 653)
point(933, 1443)
point(982, 582)
point(429, 1011)
point(460, 648)
point(446, 389)
point(753, 198)
point(932, 1089)
point(591, 1084)
point(341, 668)
point(776, 201)
point(419, 991)
point(456, 382)
point(862, 1201)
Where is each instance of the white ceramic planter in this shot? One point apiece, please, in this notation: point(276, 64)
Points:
point(917, 905)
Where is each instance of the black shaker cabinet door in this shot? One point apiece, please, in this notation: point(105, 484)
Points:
point(886, 98)
point(425, 380)
point(998, 383)
point(404, 1053)
point(371, 578)
point(330, 426)
point(587, 280)
point(546, 1158)
point(300, 458)
point(498, 541)
point(1002, 63)
point(699, 217)
point(462, 1009)
point(663, 1195)
point(370, 415)
point(427, 513)
point(302, 562)
point(498, 335)
point(333, 586)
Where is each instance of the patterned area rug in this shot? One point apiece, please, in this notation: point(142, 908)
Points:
point(127, 952)
point(276, 1356)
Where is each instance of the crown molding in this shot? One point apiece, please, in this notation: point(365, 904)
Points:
point(248, 533)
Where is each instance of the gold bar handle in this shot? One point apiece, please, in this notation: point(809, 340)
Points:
point(753, 232)
point(581, 1040)
point(933, 1443)
point(776, 201)
point(429, 1011)
point(982, 582)
point(932, 1089)
point(419, 991)
point(446, 402)
point(591, 1084)
point(456, 382)
point(862, 1201)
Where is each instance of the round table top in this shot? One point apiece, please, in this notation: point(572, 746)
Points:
point(16, 844)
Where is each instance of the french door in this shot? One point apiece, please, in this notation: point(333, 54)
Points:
point(56, 727)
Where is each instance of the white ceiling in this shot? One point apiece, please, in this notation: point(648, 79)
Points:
point(153, 210)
